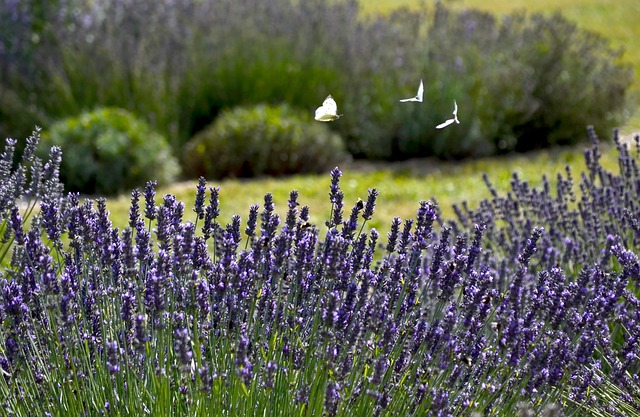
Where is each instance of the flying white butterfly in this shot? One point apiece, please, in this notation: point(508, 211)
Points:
point(328, 111)
point(418, 96)
point(455, 117)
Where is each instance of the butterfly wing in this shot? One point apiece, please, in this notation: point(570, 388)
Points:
point(445, 124)
point(455, 112)
point(330, 105)
point(320, 111)
point(328, 111)
point(418, 97)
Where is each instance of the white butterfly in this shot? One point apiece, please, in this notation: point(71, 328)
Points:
point(418, 97)
point(328, 111)
point(455, 118)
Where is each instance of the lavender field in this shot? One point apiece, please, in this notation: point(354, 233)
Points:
point(525, 305)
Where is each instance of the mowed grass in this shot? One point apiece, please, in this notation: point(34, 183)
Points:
point(402, 186)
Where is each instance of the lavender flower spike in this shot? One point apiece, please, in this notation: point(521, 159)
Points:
point(371, 204)
point(336, 196)
point(149, 196)
point(198, 207)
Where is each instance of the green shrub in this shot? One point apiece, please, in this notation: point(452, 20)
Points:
point(109, 150)
point(521, 82)
point(263, 139)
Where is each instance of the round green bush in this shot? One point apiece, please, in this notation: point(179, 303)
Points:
point(263, 140)
point(110, 150)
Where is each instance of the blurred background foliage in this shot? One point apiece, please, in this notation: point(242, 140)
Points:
point(109, 151)
point(521, 81)
point(250, 141)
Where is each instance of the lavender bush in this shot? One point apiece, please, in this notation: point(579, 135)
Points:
point(527, 304)
point(521, 82)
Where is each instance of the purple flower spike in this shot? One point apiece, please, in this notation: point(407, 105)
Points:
point(393, 234)
point(16, 225)
point(379, 369)
point(405, 237)
point(143, 244)
point(210, 226)
point(336, 197)
point(252, 221)
point(269, 221)
point(155, 292)
point(205, 377)
point(182, 347)
point(149, 197)
point(201, 191)
point(530, 248)
point(269, 379)
point(371, 204)
point(51, 221)
point(475, 246)
point(6, 159)
point(349, 226)
point(134, 208)
point(304, 214)
point(52, 188)
point(140, 336)
point(292, 213)
point(112, 357)
point(331, 398)
point(427, 214)
point(243, 364)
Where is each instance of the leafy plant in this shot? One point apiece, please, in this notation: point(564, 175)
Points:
point(530, 81)
point(521, 83)
point(263, 139)
point(109, 150)
point(524, 304)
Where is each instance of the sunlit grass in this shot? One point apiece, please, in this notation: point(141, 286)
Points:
point(402, 186)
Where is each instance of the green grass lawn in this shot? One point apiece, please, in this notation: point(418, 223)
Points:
point(401, 186)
